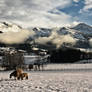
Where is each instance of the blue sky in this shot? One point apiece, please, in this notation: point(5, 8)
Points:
point(46, 13)
point(75, 11)
point(74, 8)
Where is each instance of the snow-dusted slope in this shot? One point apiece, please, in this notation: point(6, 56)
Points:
point(81, 33)
point(11, 33)
point(61, 31)
point(72, 32)
point(75, 32)
point(42, 32)
point(9, 27)
point(81, 28)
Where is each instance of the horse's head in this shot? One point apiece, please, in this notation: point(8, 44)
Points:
point(10, 75)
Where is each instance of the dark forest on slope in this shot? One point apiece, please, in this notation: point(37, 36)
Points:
point(62, 55)
point(69, 56)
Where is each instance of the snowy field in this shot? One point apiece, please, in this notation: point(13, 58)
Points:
point(55, 78)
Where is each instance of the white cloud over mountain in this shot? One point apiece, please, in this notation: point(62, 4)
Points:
point(41, 13)
point(13, 34)
point(57, 39)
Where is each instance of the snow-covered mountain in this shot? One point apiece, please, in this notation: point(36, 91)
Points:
point(77, 31)
point(11, 33)
point(42, 32)
point(81, 32)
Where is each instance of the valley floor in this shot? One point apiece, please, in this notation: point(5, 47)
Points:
point(65, 80)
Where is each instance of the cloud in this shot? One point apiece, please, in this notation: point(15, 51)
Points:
point(14, 37)
point(12, 34)
point(59, 41)
point(56, 39)
point(74, 23)
point(87, 6)
point(76, 1)
point(40, 13)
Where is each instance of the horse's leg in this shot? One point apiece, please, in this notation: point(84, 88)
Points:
point(26, 77)
point(39, 67)
point(14, 78)
point(42, 67)
point(35, 67)
point(18, 78)
point(21, 78)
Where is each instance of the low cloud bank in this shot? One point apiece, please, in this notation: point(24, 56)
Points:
point(56, 39)
point(13, 34)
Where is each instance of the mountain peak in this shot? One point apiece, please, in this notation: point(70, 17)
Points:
point(9, 27)
point(83, 24)
point(84, 28)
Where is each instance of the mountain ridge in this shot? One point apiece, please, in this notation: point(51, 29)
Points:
point(80, 33)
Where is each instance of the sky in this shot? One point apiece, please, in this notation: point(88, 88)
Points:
point(46, 13)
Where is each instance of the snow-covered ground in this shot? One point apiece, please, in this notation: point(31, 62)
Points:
point(69, 66)
point(64, 80)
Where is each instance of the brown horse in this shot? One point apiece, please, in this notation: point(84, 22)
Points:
point(24, 75)
point(19, 72)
